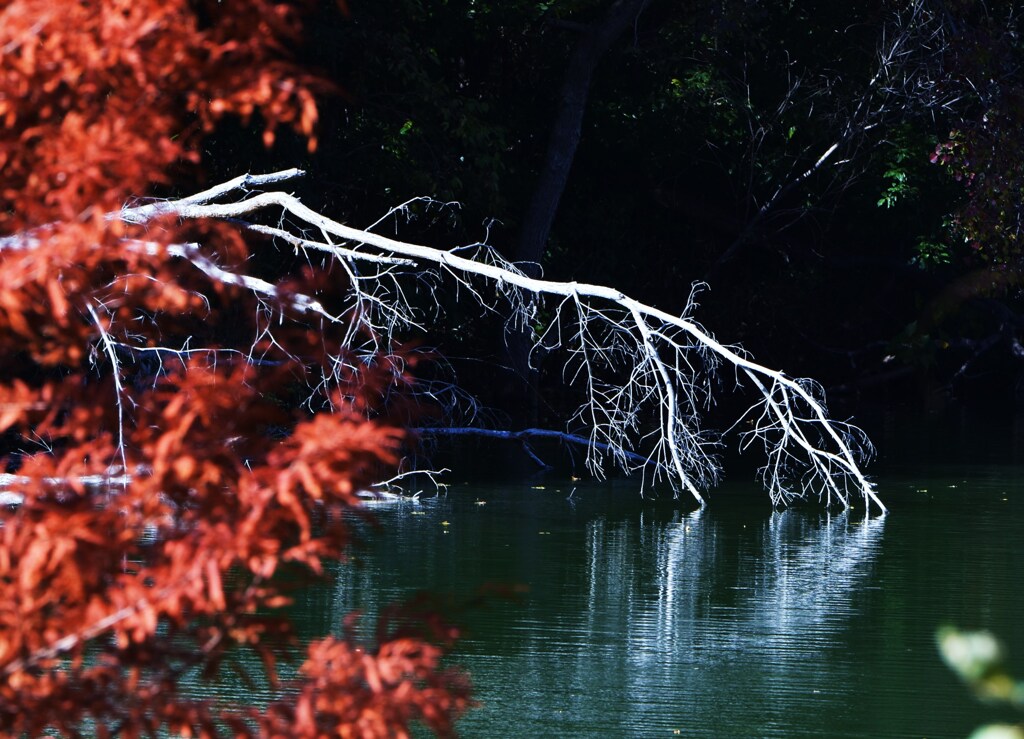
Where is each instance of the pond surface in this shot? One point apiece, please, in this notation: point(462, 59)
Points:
point(645, 618)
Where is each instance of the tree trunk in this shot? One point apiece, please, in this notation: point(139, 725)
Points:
point(565, 136)
point(646, 375)
point(565, 133)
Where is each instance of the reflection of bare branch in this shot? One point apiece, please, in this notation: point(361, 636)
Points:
point(636, 364)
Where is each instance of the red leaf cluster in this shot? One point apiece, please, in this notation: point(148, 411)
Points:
point(105, 98)
point(175, 472)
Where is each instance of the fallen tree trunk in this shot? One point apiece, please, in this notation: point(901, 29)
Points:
point(670, 363)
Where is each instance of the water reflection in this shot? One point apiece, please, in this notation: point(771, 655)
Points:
point(642, 620)
point(677, 610)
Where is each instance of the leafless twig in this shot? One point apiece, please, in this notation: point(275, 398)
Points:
point(647, 375)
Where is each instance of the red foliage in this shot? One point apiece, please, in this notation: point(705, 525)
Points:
point(102, 99)
point(111, 592)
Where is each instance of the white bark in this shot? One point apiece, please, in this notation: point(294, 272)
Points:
point(670, 360)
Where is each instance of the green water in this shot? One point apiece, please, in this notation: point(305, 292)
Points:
point(645, 618)
point(641, 619)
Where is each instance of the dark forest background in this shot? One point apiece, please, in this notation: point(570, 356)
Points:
point(845, 177)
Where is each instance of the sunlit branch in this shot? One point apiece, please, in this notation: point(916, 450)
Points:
point(115, 368)
point(669, 361)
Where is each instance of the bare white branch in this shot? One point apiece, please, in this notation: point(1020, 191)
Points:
point(634, 363)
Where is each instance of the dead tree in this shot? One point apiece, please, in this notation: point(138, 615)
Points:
point(669, 361)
